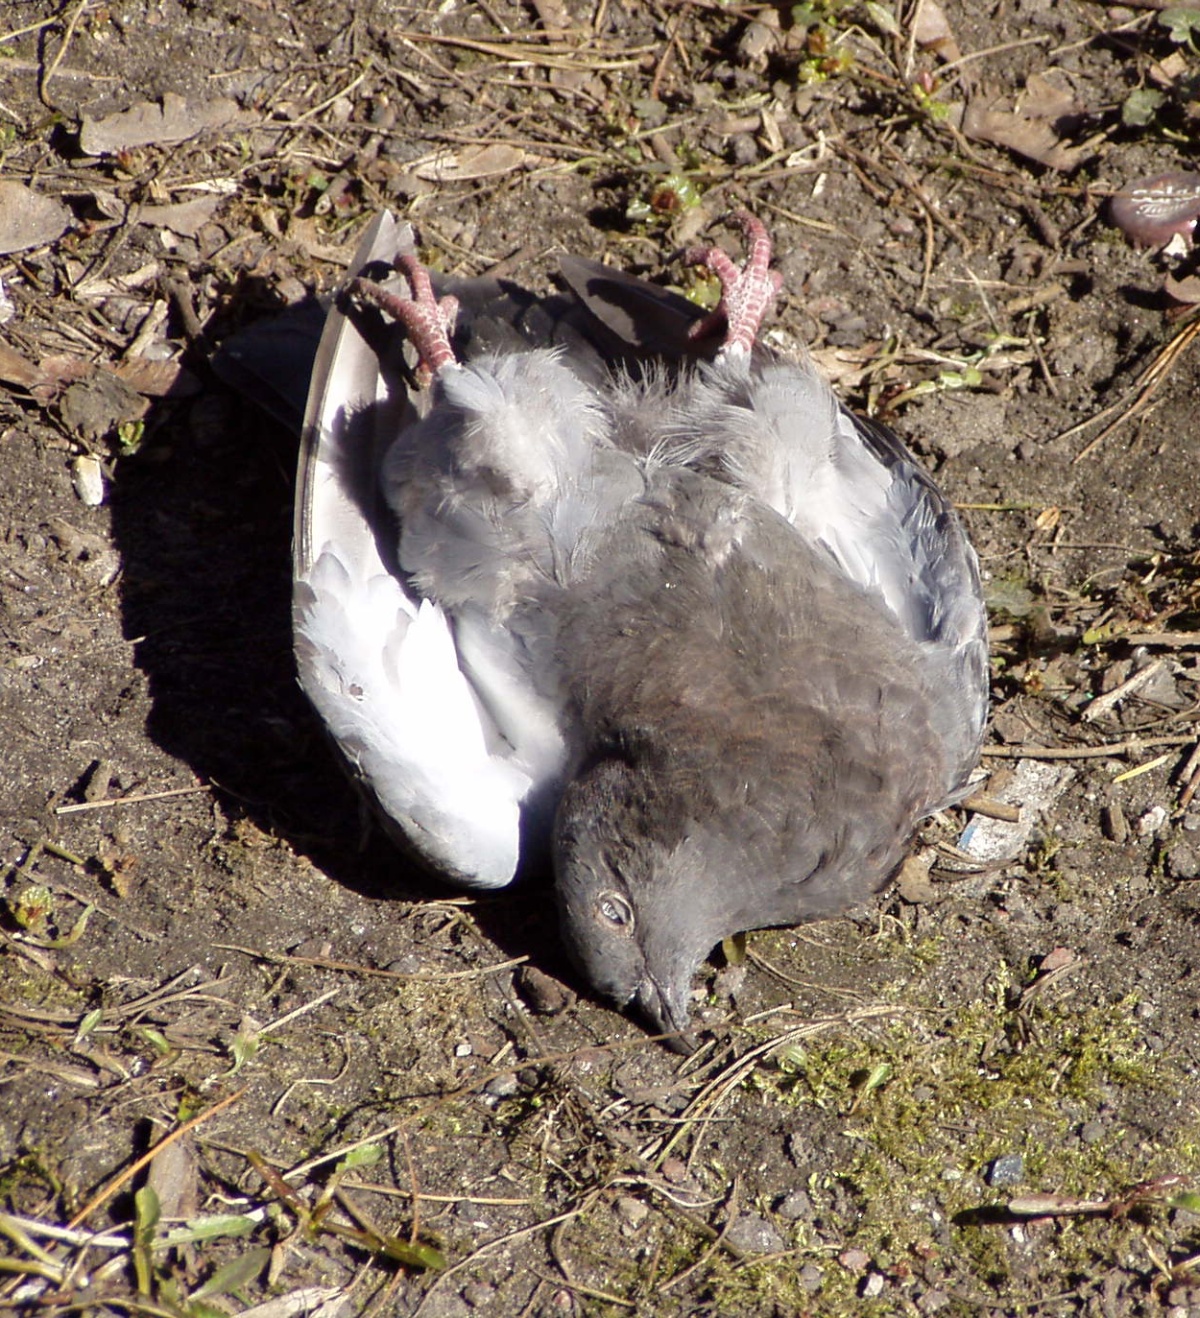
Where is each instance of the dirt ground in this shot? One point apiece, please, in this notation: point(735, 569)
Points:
point(981, 1096)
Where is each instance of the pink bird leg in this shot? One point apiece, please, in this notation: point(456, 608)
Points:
point(427, 322)
point(746, 294)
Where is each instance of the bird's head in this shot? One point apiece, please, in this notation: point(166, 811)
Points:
point(637, 907)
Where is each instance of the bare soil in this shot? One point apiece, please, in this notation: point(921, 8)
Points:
point(255, 957)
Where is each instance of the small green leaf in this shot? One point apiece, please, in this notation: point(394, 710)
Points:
point(1180, 23)
point(236, 1274)
point(156, 1039)
point(1140, 107)
point(32, 907)
point(883, 18)
point(877, 1077)
point(245, 1045)
point(89, 1023)
point(129, 436)
point(367, 1156)
point(219, 1226)
point(734, 949)
point(412, 1256)
point(147, 1211)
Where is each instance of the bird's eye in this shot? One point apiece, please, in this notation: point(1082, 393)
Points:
point(614, 910)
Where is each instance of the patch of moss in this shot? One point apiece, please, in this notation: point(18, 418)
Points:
point(923, 1113)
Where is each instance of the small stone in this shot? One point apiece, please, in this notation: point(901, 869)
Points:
point(312, 949)
point(1091, 1132)
point(796, 1148)
point(631, 1211)
point(1009, 1169)
point(1183, 860)
point(1112, 820)
point(913, 882)
point(479, 1294)
point(872, 1286)
point(675, 1170)
point(796, 1207)
point(743, 149)
point(503, 1086)
point(811, 1278)
point(854, 1260)
point(755, 1235)
point(446, 1305)
point(1152, 821)
point(95, 406)
point(543, 995)
point(729, 981)
point(1185, 1297)
point(933, 1301)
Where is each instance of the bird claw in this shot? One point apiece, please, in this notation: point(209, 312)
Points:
point(427, 321)
point(746, 293)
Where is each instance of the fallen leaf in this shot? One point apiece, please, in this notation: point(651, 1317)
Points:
point(185, 217)
point(28, 218)
point(56, 371)
point(157, 379)
point(150, 124)
point(1046, 98)
point(472, 162)
point(18, 370)
point(1186, 290)
point(1033, 128)
point(46, 379)
point(931, 31)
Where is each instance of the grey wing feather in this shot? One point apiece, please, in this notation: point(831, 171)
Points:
point(845, 483)
point(849, 487)
point(378, 663)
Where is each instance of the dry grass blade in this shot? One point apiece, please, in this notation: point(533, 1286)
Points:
point(703, 1108)
point(118, 1182)
point(1141, 394)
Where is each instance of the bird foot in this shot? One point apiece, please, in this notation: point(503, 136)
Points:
point(746, 294)
point(427, 321)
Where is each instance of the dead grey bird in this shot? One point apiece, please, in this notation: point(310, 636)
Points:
point(600, 575)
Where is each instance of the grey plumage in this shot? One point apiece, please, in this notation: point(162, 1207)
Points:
point(660, 606)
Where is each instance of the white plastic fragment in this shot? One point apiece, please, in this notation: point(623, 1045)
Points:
point(1034, 787)
point(88, 478)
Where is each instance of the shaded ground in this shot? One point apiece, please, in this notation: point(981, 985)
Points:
point(833, 1148)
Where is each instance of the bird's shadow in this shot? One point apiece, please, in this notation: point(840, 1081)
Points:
point(202, 517)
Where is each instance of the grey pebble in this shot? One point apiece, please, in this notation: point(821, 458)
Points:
point(796, 1206)
point(503, 1086)
point(755, 1235)
point(1009, 1169)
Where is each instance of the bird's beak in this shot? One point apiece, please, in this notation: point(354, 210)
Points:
point(665, 1011)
